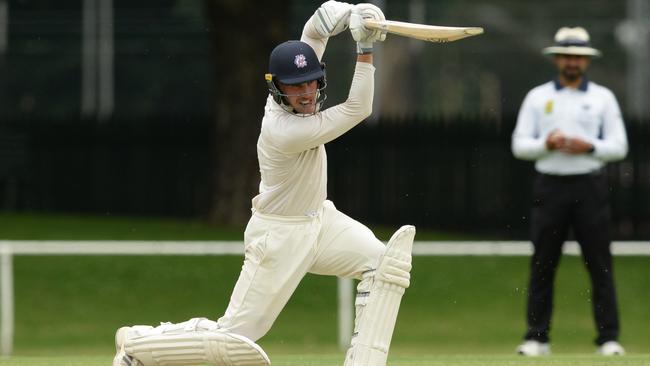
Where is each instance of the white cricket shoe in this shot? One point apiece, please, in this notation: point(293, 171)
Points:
point(534, 348)
point(121, 358)
point(611, 348)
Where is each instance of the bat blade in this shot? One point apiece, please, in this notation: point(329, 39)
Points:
point(429, 33)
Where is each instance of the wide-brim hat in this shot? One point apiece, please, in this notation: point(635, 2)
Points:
point(572, 41)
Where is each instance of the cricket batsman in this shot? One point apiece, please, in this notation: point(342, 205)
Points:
point(294, 229)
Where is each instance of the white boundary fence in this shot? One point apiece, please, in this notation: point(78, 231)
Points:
point(8, 249)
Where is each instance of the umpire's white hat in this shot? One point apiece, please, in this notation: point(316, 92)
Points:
point(571, 41)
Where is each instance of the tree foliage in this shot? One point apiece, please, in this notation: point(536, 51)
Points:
point(243, 35)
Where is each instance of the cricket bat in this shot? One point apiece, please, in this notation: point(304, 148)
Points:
point(429, 33)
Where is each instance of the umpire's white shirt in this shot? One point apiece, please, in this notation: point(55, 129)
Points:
point(291, 151)
point(590, 112)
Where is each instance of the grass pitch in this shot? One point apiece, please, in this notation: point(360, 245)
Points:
point(397, 360)
point(459, 311)
point(455, 305)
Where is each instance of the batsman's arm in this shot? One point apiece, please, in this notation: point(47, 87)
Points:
point(366, 58)
point(309, 37)
point(295, 134)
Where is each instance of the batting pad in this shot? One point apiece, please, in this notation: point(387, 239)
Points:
point(376, 315)
point(198, 347)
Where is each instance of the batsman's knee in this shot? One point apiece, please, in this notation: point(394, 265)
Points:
point(395, 265)
point(394, 271)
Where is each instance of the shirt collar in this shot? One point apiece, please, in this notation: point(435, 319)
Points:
point(582, 87)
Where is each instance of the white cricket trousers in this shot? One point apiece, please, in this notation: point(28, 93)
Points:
point(280, 250)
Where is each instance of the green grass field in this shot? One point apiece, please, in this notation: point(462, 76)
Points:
point(459, 310)
point(397, 360)
point(78, 227)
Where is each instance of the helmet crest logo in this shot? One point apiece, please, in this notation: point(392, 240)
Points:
point(300, 61)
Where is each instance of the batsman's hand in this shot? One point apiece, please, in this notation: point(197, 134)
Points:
point(332, 18)
point(365, 37)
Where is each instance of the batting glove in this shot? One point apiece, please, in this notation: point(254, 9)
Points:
point(365, 37)
point(332, 18)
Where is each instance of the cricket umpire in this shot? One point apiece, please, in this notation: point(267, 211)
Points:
point(571, 127)
point(294, 229)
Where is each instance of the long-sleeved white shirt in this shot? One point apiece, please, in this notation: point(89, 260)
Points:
point(590, 112)
point(291, 151)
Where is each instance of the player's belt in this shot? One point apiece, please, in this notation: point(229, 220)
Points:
point(592, 174)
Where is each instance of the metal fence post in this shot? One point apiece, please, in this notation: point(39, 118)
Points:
point(6, 300)
point(345, 312)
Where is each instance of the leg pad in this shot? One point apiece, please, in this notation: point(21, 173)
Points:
point(378, 300)
point(190, 343)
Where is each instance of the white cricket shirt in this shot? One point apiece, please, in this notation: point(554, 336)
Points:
point(590, 112)
point(291, 151)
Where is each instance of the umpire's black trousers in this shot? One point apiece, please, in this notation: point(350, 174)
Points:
point(579, 202)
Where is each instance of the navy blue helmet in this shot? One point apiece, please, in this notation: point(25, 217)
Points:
point(294, 62)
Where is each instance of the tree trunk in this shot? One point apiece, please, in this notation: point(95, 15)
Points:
point(244, 33)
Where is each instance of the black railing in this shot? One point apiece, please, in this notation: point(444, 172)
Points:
point(461, 175)
point(449, 175)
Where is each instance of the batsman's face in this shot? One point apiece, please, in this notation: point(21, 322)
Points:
point(571, 67)
point(302, 97)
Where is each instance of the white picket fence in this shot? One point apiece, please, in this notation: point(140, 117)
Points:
point(8, 249)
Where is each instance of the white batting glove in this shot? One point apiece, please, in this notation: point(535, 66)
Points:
point(332, 18)
point(365, 37)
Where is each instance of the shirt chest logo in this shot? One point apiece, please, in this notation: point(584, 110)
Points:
point(548, 107)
